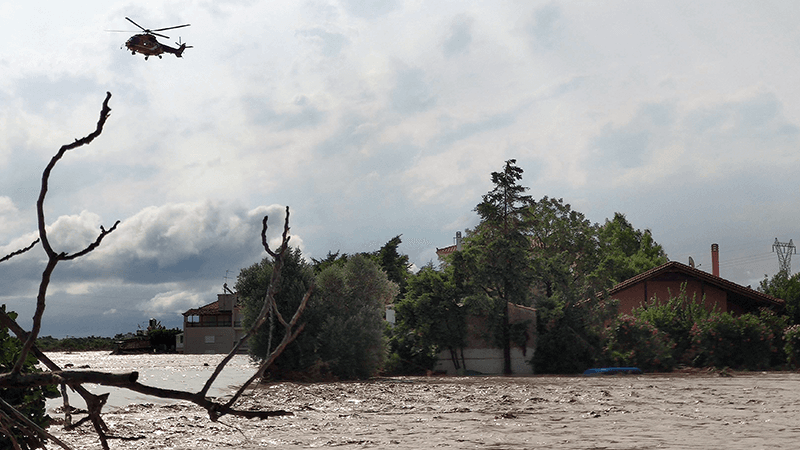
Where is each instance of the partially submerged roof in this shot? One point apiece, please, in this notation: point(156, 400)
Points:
point(719, 282)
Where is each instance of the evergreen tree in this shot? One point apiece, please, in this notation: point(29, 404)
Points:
point(495, 259)
point(393, 263)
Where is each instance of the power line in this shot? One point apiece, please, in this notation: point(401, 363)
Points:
point(784, 250)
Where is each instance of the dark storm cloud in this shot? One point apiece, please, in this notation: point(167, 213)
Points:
point(162, 260)
point(759, 115)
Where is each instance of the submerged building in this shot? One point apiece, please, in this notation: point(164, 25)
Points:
point(215, 327)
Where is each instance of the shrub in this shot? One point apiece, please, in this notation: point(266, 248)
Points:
point(791, 346)
point(635, 342)
point(676, 318)
point(723, 340)
point(28, 401)
point(777, 325)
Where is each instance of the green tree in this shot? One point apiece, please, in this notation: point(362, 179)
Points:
point(787, 288)
point(564, 252)
point(297, 277)
point(626, 251)
point(430, 318)
point(393, 263)
point(495, 259)
point(352, 300)
point(344, 326)
point(564, 249)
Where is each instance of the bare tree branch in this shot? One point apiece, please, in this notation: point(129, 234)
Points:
point(19, 252)
point(28, 424)
point(269, 300)
point(11, 418)
point(104, 113)
point(52, 256)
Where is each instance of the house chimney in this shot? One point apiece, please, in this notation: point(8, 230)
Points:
point(458, 241)
point(715, 260)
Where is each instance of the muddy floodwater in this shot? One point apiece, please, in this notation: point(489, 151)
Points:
point(671, 411)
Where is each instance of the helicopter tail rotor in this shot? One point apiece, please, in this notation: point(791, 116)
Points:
point(181, 47)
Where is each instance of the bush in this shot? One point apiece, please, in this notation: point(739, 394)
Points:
point(791, 346)
point(723, 340)
point(635, 342)
point(28, 401)
point(676, 318)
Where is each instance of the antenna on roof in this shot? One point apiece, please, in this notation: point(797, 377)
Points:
point(225, 287)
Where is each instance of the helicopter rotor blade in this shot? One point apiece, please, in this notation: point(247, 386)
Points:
point(131, 21)
point(170, 28)
point(156, 34)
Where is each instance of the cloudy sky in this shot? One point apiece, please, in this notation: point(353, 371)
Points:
point(373, 118)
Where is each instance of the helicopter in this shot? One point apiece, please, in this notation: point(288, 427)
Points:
point(147, 44)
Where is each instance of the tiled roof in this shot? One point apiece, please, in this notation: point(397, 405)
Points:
point(209, 309)
point(675, 266)
point(445, 250)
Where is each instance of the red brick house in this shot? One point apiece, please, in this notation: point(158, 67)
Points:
point(710, 288)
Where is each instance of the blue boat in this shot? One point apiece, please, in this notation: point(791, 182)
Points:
point(612, 370)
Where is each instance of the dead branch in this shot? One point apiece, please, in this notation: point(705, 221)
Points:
point(269, 301)
point(94, 403)
point(11, 418)
point(19, 252)
point(53, 257)
point(30, 428)
point(68, 377)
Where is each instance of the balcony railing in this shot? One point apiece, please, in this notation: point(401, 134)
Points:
point(208, 324)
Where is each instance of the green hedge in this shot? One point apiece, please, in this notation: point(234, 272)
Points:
point(635, 342)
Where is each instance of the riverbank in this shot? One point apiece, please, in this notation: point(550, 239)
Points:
point(675, 410)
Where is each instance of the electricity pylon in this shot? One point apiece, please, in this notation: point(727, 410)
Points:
point(784, 251)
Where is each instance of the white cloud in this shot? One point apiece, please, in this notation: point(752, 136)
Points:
point(172, 303)
point(372, 119)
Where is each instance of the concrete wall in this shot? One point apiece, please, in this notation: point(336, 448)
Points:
point(198, 340)
point(480, 355)
point(487, 361)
